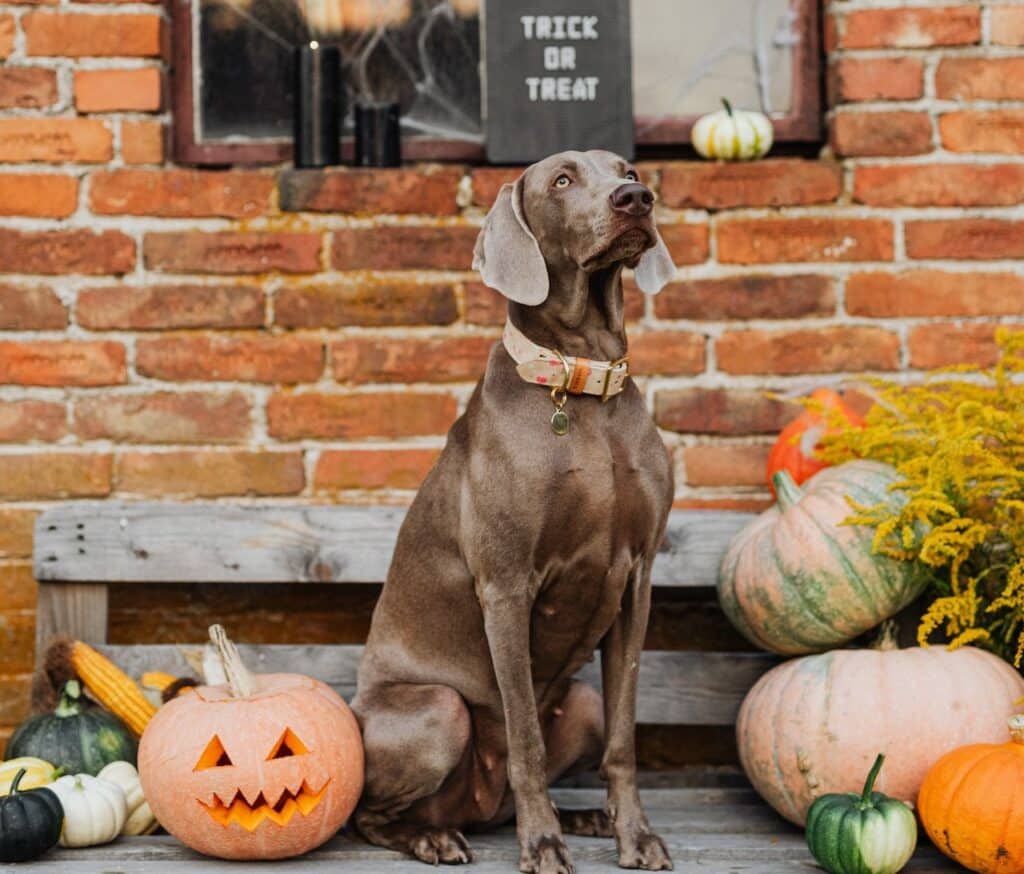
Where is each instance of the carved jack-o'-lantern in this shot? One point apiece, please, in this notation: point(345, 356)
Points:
point(265, 767)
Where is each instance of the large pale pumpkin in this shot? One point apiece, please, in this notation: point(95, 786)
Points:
point(972, 805)
point(814, 725)
point(798, 580)
point(266, 767)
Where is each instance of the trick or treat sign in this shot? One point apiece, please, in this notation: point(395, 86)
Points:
point(558, 76)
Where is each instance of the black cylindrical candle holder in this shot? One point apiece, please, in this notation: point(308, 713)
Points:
point(378, 135)
point(319, 105)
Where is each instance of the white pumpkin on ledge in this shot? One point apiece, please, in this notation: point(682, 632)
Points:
point(733, 134)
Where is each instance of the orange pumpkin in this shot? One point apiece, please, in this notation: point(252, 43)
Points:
point(971, 806)
point(265, 767)
point(795, 450)
point(814, 725)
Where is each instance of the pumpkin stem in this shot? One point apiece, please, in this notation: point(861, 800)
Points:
point(240, 681)
point(869, 784)
point(70, 703)
point(728, 106)
point(786, 490)
point(888, 636)
point(1017, 728)
point(17, 779)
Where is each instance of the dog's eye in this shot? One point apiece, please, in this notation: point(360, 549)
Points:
point(632, 177)
point(563, 181)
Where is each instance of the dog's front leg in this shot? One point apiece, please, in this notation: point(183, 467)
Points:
point(639, 847)
point(507, 610)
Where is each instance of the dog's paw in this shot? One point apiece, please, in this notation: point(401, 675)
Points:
point(545, 854)
point(646, 851)
point(437, 846)
point(586, 823)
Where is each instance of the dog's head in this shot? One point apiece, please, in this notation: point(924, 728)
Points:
point(581, 211)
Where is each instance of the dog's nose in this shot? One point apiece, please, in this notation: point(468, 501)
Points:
point(632, 198)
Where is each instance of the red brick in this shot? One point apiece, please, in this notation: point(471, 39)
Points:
point(164, 417)
point(71, 251)
point(158, 307)
point(825, 238)
point(142, 142)
point(821, 350)
point(1007, 25)
point(17, 645)
point(972, 238)
point(403, 247)
point(7, 34)
point(339, 469)
point(688, 243)
point(55, 140)
point(181, 193)
point(923, 293)
point(723, 185)
point(933, 346)
point(666, 352)
point(27, 87)
point(1000, 131)
point(118, 90)
point(16, 532)
point(25, 421)
point(410, 359)
point(980, 79)
point(61, 362)
point(17, 586)
point(31, 309)
point(36, 476)
point(229, 252)
point(259, 358)
point(74, 35)
point(737, 505)
point(749, 296)
point(726, 465)
point(373, 302)
point(913, 28)
point(871, 134)
point(210, 474)
point(41, 195)
point(857, 79)
point(428, 189)
point(487, 182)
point(721, 411)
point(355, 416)
point(940, 184)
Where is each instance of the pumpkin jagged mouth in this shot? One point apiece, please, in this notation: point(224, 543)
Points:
point(250, 816)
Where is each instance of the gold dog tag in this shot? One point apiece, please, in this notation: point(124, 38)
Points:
point(560, 423)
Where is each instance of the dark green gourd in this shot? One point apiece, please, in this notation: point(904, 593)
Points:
point(30, 822)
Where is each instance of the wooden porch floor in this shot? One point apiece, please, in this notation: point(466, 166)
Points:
point(707, 830)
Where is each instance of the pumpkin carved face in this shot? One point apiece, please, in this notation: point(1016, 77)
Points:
point(266, 776)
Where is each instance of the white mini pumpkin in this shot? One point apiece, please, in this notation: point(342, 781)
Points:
point(95, 810)
point(140, 817)
point(733, 134)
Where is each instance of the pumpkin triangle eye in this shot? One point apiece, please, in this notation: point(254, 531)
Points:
point(288, 745)
point(214, 756)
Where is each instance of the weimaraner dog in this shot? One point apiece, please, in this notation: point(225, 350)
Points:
point(529, 546)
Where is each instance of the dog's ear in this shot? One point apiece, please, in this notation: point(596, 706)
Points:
point(656, 267)
point(506, 252)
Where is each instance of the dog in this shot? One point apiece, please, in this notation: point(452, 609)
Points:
point(528, 546)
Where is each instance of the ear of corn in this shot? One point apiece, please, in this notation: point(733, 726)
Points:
point(114, 689)
point(159, 680)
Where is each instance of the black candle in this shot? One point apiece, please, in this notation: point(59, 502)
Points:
point(378, 135)
point(319, 105)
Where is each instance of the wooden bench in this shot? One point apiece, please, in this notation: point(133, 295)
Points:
point(81, 548)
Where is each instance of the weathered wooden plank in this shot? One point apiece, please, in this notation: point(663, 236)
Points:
point(221, 543)
point(77, 609)
point(688, 688)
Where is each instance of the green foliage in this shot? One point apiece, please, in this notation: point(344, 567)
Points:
point(957, 441)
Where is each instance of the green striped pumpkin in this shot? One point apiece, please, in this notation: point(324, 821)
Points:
point(866, 833)
point(797, 580)
point(75, 738)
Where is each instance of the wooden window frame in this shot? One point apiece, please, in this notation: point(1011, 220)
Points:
point(802, 124)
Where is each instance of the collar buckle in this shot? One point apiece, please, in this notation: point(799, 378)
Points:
point(612, 367)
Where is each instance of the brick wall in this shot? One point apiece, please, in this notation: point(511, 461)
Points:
point(245, 334)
